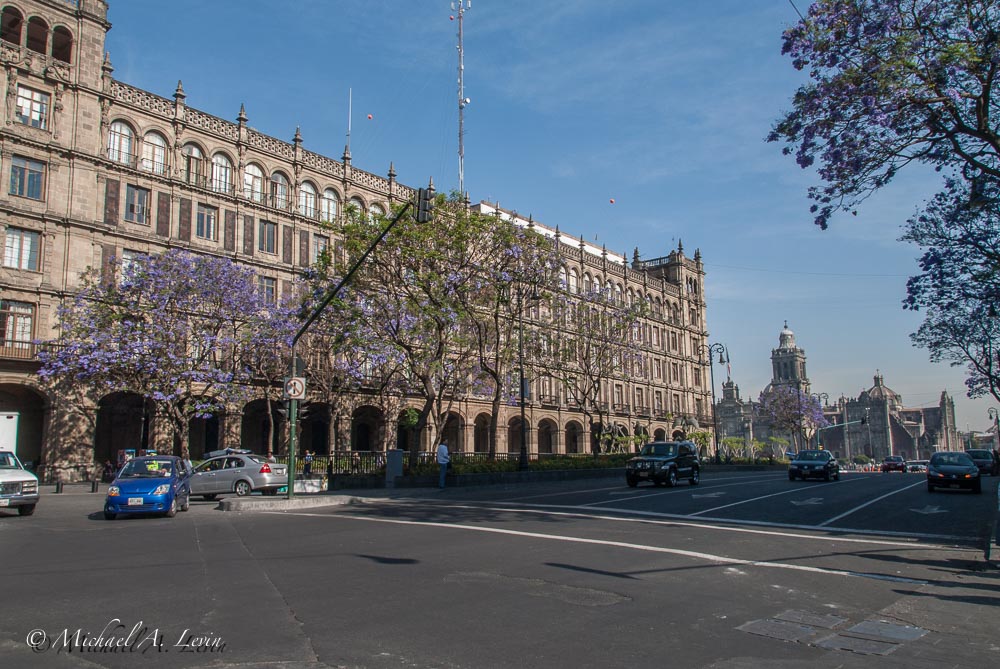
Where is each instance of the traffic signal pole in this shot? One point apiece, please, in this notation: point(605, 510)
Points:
point(425, 209)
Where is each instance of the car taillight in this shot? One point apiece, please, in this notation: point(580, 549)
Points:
point(266, 469)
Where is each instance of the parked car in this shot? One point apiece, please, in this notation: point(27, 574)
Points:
point(894, 463)
point(150, 484)
point(916, 465)
point(818, 463)
point(663, 463)
point(239, 473)
point(18, 486)
point(952, 469)
point(985, 459)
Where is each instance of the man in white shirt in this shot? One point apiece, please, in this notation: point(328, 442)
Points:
point(443, 458)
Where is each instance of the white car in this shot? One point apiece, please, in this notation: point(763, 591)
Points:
point(18, 486)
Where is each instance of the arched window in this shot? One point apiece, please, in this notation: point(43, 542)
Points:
point(358, 205)
point(279, 191)
point(587, 285)
point(222, 174)
point(375, 212)
point(330, 204)
point(307, 200)
point(11, 23)
point(154, 153)
point(253, 183)
point(38, 35)
point(194, 165)
point(563, 278)
point(62, 44)
point(120, 141)
point(574, 281)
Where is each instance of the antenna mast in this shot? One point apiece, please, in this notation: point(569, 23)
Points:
point(462, 6)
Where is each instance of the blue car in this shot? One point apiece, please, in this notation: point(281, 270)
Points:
point(151, 484)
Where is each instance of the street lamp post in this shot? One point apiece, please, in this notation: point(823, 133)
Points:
point(995, 415)
point(708, 350)
point(822, 398)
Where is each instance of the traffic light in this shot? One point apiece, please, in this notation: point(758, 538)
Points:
point(864, 419)
point(425, 204)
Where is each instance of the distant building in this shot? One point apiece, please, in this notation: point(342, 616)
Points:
point(875, 424)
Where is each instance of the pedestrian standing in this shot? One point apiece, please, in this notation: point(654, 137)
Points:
point(443, 458)
point(307, 469)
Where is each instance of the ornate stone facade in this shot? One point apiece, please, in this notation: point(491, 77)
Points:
point(101, 169)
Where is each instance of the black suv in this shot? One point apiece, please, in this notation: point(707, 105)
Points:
point(663, 462)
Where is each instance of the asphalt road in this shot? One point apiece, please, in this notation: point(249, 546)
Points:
point(744, 570)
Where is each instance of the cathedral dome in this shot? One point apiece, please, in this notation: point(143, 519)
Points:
point(881, 392)
point(786, 338)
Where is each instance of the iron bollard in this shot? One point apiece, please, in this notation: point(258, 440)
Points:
point(59, 486)
point(93, 486)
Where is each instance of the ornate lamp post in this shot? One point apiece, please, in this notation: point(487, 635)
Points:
point(708, 350)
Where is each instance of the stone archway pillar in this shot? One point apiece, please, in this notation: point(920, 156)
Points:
point(231, 427)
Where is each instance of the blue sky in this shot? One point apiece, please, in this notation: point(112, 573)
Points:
point(661, 106)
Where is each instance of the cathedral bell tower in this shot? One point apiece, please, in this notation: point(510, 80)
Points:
point(788, 363)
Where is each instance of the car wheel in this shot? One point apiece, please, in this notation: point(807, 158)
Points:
point(671, 478)
point(242, 489)
point(187, 503)
point(208, 498)
point(172, 511)
point(695, 476)
point(109, 516)
point(791, 476)
point(632, 481)
point(26, 510)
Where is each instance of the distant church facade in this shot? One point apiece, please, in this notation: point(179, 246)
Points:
point(876, 423)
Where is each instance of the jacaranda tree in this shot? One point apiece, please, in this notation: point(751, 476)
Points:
point(183, 330)
point(790, 410)
point(892, 82)
point(895, 82)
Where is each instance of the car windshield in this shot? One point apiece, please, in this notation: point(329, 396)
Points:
point(811, 455)
point(951, 459)
point(9, 461)
point(894, 458)
point(138, 469)
point(984, 455)
point(661, 450)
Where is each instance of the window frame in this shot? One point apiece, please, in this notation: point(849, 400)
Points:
point(207, 223)
point(12, 342)
point(25, 181)
point(267, 237)
point(35, 107)
point(14, 256)
point(137, 212)
point(121, 141)
point(154, 145)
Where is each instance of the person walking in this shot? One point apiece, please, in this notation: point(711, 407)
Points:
point(308, 467)
point(443, 458)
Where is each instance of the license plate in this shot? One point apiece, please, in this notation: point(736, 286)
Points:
point(135, 501)
point(4, 502)
point(282, 490)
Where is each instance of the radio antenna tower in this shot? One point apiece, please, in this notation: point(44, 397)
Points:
point(461, 6)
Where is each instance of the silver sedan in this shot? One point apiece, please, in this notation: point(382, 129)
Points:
point(238, 473)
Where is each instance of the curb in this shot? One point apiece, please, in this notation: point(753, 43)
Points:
point(244, 505)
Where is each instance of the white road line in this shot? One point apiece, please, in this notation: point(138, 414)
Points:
point(755, 499)
point(675, 491)
point(747, 479)
point(877, 499)
point(677, 520)
point(718, 559)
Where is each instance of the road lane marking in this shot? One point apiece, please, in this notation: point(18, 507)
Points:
point(696, 555)
point(638, 493)
point(930, 509)
point(757, 499)
point(868, 503)
point(812, 501)
point(676, 491)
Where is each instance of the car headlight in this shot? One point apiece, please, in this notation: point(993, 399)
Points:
point(113, 491)
point(29, 486)
point(162, 489)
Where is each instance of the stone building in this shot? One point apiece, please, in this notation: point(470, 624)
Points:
point(99, 169)
point(875, 424)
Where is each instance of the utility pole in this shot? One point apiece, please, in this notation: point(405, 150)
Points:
point(461, 7)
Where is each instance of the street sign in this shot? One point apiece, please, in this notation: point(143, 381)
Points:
point(295, 388)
